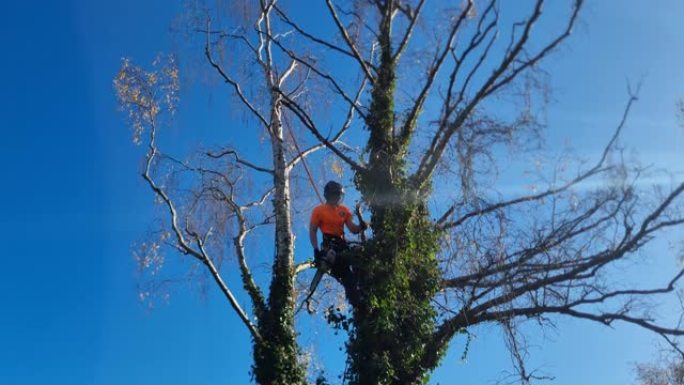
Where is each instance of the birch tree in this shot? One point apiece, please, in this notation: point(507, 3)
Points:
point(418, 101)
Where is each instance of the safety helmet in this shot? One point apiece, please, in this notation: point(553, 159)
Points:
point(332, 190)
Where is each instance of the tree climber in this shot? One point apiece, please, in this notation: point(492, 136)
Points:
point(331, 217)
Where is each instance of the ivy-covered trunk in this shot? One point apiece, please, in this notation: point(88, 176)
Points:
point(393, 319)
point(397, 271)
point(276, 354)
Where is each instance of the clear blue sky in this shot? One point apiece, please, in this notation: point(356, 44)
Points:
point(72, 202)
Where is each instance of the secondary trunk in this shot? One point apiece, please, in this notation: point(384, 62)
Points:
point(276, 356)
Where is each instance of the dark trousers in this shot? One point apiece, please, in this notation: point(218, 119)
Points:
point(341, 269)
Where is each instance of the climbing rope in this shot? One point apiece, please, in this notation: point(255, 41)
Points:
point(306, 167)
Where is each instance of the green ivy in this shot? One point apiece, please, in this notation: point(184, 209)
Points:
point(392, 318)
point(276, 355)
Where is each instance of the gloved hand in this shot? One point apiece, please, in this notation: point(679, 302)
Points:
point(323, 259)
point(362, 224)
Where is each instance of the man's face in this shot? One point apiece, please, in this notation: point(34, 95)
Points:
point(336, 198)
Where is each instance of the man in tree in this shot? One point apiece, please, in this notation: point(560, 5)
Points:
point(331, 217)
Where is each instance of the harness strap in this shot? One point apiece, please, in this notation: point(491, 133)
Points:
point(334, 242)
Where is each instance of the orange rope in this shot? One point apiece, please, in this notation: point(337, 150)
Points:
point(289, 129)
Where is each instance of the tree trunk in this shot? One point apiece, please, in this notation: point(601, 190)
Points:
point(397, 271)
point(276, 356)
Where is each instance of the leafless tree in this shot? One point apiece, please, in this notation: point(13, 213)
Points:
point(669, 370)
point(432, 95)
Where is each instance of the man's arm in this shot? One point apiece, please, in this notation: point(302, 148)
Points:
point(354, 228)
point(313, 236)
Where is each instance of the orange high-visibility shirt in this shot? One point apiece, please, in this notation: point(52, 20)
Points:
point(330, 219)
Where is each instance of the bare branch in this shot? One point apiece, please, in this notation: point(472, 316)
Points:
point(518, 352)
point(542, 53)
point(232, 35)
point(263, 25)
point(239, 160)
point(233, 83)
point(474, 43)
point(260, 201)
point(413, 19)
point(336, 86)
point(226, 291)
point(183, 244)
point(350, 43)
point(315, 39)
point(560, 286)
point(287, 73)
point(309, 124)
point(300, 267)
point(442, 137)
point(603, 318)
point(597, 169)
point(410, 123)
point(336, 138)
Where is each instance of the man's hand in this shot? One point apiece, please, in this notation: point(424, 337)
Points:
point(362, 224)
